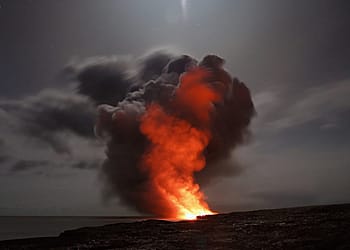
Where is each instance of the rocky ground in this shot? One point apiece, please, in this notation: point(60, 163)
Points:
point(317, 227)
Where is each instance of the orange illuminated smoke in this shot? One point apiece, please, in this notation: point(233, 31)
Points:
point(176, 147)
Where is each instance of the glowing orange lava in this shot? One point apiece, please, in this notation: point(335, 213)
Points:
point(176, 149)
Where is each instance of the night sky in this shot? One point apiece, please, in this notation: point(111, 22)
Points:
point(293, 55)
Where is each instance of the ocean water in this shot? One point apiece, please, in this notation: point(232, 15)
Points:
point(15, 227)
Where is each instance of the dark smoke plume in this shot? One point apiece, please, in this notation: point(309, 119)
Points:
point(155, 82)
point(44, 116)
point(106, 80)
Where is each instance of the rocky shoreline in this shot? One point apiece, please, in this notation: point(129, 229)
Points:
point(315, 227)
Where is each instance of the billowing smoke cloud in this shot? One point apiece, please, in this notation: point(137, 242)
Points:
point(43, 117)
point(156, 82)
point(115, 93)
point(105, 80)
point(53, 128)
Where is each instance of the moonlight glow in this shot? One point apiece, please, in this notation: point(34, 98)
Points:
point(184, 9)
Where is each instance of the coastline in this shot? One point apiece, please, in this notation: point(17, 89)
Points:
point(313, 227)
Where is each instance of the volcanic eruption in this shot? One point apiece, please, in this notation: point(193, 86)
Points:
point(172, 132)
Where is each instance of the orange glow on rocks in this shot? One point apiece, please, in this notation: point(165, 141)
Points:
point(176, 147)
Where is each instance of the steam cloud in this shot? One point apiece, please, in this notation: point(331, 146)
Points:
point(123, 95)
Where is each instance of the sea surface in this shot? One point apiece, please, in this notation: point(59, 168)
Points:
point(15, 227)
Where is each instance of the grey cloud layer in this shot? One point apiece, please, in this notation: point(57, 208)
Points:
point(281, 109)
point(44, 130)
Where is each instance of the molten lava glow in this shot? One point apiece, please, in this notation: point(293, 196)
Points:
point(176, 149)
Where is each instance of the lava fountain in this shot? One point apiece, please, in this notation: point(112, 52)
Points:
point(176, 146)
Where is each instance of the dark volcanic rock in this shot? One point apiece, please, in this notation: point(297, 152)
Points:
point(317, 227)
